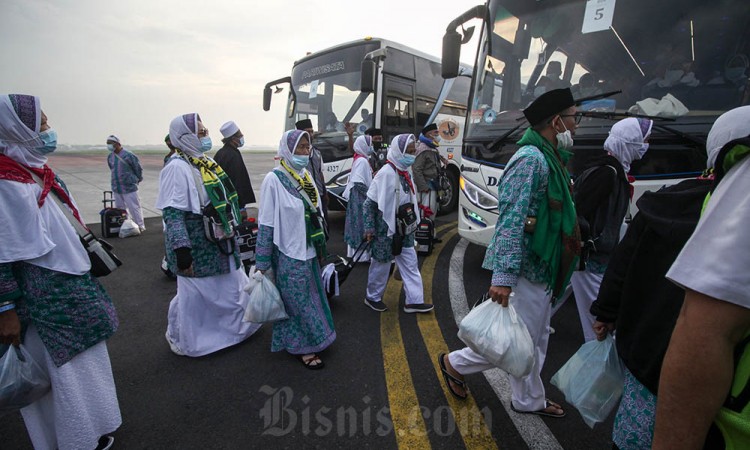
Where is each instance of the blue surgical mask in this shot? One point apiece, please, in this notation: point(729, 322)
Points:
point(111, 147)
point(206, 144)
point(407, 160)
point(49, 139)
point(299, 162)
point(242, 142)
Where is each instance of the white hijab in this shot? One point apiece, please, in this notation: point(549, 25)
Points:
point(41, 236)
point(183, 133)
point(289, 141)
point(626, 140)
point(731, 125)
point(386, 183)
point(361, 170)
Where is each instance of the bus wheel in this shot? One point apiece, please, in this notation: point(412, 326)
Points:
point(449, 197)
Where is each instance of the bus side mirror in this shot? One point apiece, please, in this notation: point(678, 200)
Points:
point(367, 77)
point(266, 98)
point(451, 53)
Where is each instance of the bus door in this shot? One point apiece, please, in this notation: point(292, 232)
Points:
point(398, 107)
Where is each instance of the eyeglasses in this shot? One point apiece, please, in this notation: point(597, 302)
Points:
point(577, 116)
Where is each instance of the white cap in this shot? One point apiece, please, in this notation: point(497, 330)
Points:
point(229, 129)
point(113, 138)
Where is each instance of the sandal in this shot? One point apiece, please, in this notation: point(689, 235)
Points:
point(312, 363)
point(451, 379)
point(543, 412)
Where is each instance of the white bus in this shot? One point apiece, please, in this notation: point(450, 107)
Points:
point(374, 83)
point(690, 50)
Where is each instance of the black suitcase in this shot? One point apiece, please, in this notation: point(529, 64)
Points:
point(112, 218)
point(247, 235)
point(424, 237)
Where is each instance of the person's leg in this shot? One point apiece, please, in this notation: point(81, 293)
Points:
point(408, 266)
point(134, 208)
point(119, 200)
point(377, 278)
point(432, 201)
point(459, 363)
point(586, 288)
point(532, 304)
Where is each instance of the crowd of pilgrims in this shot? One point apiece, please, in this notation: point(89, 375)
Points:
point(50, 302)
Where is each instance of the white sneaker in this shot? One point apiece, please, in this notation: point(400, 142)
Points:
point(142, 228)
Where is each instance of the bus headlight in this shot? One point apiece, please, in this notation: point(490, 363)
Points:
point(476, 195)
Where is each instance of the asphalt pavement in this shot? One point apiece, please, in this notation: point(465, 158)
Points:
point(380, 388)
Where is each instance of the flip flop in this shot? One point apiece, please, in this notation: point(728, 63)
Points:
point(542, 412)
point(450, 378)
point(314, 363)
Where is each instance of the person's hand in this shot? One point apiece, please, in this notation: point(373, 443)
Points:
point(10, 328)
point(602, 329)
point(184, 260)
point(500, 294)
point(368, 237)
point(349, 127)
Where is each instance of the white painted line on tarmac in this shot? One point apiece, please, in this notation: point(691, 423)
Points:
point(532, 428)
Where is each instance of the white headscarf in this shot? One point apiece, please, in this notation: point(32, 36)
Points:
point(398, 148)
point(289, 141)
point(626, 140)
point(731, 125)
point(362, 145)
point(38, 235)
point(19, 136)
point(183, 133)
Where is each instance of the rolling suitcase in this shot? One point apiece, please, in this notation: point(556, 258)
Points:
point(112, 218)
point(424, 237)
point(247, 235)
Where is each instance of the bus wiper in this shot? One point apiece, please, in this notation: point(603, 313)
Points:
point(508, 133)
point(621, 115)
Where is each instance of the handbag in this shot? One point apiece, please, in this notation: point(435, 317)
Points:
point(406, 219)
point(101, 254)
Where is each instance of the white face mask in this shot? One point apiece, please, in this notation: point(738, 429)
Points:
point(564, 139)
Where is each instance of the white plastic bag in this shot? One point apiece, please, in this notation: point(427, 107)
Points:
point(129, 228)
point(22, 380)
point(265, 303)
point(592, 380)
point(498, 334)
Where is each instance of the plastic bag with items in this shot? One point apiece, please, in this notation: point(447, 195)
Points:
point(265, 304)
point(129, 228)
point(592, 380)
point(499, 334)
point(22, 380)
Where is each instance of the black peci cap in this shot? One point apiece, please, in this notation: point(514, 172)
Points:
point(548, 104)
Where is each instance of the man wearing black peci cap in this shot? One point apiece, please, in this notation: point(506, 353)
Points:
point(378, 158)
point(535, 247)
point(315, 166)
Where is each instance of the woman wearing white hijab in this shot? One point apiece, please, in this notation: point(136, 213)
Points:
point(206, 314)
point(602, 195)
point(356, 194)
point(46, 288)
point(291, 240)
point(391, 188)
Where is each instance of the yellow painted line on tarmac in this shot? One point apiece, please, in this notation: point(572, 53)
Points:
point(468, 418)
point(408, 423)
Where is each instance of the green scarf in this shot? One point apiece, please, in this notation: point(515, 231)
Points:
point(219, 187)
point(315, 234)
point(556, 239)
point(734, 152)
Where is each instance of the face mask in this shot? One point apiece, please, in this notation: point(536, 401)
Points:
point(299, 162)
point(242, 142)
point(206, 144)
point(564, 139)
point(111, 147)
point(49, 139)
point(436, 139)
point(407, 160)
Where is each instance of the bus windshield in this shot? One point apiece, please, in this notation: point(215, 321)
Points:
point(328, 92)
point(682, 62)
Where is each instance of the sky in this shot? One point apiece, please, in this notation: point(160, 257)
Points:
point(129, 67)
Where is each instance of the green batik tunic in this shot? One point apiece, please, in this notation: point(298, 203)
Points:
point(185, 229)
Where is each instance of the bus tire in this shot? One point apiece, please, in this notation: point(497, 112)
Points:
point(450, 202)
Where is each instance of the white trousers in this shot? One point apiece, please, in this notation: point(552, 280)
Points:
point(586, 289)
point(407, 264)
point(429, 199)
point(132, 203)
point(532, 304)
point(82, 404)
